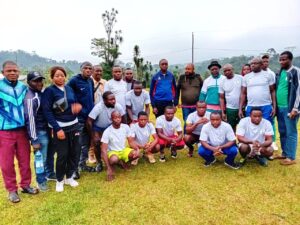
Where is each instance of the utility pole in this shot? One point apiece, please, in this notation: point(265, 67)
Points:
point(193, 47)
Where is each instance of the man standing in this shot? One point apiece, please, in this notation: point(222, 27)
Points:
point(98, 83)
point(288, 101)
point(229, 92)
point(13, 136)
point(255, 137)
point(117, 86)
point(99, 119)
point(194, 124)
point(113, 148)
point(137, 100)
point(162, 89)
point(128, 78)
point(189, 86)
point(259, 88)
point(37, 126)
point(210, 90)
point(82, 85)
point(265, 67)
point(217, 138)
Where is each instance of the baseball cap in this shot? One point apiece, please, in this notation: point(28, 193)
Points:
point(34, 75)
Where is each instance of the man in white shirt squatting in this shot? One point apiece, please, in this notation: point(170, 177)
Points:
point(168, 128)
point(113, 148)
point(217, 138)
point(255, 137)
point(142, 132)
point(194, 124)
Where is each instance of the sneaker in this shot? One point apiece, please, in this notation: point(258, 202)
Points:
point(287, 162)
point(71, 182)
point(232, 165)
point(135, 162)
point(43, 187)
point(162, 158)
point(98, 168)
point(243, 161)
point(207, 164)
point(30, 190)
point(275, 146)
point(262, 161)
point(151, 158)
point(14, 197)
point(174, 154)
point(76, 175)
point(86, 168)
point(59, 186)
point(51, 177)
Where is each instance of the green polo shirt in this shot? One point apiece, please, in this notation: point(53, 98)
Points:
point(282, 90)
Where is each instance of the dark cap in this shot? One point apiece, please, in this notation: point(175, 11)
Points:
point(34, 75)
point(214, 63)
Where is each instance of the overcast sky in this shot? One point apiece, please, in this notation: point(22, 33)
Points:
point(63, 29)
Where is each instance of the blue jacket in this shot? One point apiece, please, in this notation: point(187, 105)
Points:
point(51, 95)
point(163, 88)
point(11, 105)
point(84, 92)
point(293, 76)
point(34, 117)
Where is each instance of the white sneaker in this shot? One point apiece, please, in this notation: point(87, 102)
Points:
point(135, 162)
point(71, 182)
point(274, 146)
point(59, 186)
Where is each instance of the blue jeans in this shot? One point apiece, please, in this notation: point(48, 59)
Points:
point(208, 155)
point(84, 141)
point(44, 141)
point(185, 113)
point(288, 133)
point(266, 112)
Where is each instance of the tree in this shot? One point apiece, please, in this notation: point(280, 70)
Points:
point(138, 62)
point(108, 48)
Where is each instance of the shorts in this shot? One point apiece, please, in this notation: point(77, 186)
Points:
point(122, 155)
point(166, 143)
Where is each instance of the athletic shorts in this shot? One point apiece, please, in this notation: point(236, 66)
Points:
point(122, 155)
point(166, 143)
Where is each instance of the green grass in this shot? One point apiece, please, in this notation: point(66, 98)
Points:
point(179, 191)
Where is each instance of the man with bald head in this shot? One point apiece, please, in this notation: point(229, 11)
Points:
point(229, 92)
point(162, 89)
point(188, 87)
point(259, 88)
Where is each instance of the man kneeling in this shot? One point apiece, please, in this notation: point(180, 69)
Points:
point(166, 125)
point(255, 137)
point(217, 138)
point(142, 131)
point(113, 148)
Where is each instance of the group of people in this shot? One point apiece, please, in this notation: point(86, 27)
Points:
point(87, 120)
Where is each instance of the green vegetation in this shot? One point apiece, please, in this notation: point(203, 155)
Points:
point(179, 191)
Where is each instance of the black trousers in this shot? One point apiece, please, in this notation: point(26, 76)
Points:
point(161, 105)
point(67, 152)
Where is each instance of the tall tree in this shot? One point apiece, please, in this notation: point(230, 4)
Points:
point(138, 61)
point(108, 48)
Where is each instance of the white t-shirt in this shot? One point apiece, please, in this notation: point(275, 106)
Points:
point(254, 132)
point(272, 73)
point(102, 114)
point(232, 89)
point(258, 88)
point(169, 127)
point(142, 134)
point(116, 138)
point(217, 136)
point(137, 103)
point(194, 118)
point(119, 89)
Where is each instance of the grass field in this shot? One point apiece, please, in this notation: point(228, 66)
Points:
point(179, 191)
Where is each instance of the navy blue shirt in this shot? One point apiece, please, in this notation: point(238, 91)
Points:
point(50, 96)
point(83, 89)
